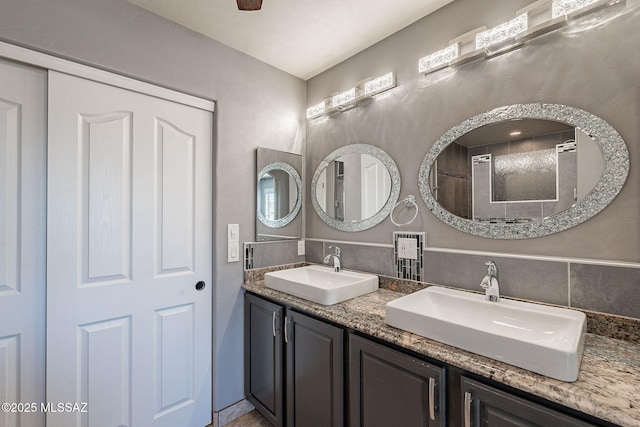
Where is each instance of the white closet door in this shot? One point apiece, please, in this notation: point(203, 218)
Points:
point(22, 240)
point(129, 236)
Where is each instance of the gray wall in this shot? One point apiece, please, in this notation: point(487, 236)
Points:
point(593, 65)
point(256, 105)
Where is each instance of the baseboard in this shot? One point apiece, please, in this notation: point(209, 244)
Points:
point(230, 413)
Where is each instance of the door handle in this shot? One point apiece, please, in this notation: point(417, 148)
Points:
point(432, 396)
point(273, 323)
point(286, 330)
point(200, 285)
point(467, 409)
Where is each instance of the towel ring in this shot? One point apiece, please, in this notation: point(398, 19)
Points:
point(408, 201)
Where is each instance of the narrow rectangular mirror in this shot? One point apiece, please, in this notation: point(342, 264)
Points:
point(278, 195)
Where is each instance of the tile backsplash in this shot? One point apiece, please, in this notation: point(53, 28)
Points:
point(590, 285)
point(376, 259)
point(531, 279)
point(608, 289)
point(267, 254)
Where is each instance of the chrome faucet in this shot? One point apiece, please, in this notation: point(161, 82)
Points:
point(490, 282)
point(336, 258)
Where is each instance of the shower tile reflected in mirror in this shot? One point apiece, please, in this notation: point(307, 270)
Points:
point(524, 179)
point(531, 170)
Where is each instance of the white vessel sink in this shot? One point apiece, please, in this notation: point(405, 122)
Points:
point(321, 284)
point(542, 339)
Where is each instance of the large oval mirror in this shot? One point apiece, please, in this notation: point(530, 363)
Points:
point(523, 171)
point(355, 187)
point(279, 191)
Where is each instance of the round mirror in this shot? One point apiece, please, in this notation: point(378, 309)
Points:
point(523, 171)
point(279, 189)
point(355, 187)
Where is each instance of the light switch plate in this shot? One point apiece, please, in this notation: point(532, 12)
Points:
point(300, 247)
point(407, 248)
point(233, 233)
point(233, 242)
point(233, 252)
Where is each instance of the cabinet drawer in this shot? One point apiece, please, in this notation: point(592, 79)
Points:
point(487, 406)
point(389, 388)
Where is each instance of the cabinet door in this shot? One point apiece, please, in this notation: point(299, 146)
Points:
point(314, 372)
point(263, 377)
point(487, 406)
point(389, 388)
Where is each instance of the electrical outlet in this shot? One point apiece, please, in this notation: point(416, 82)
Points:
point(300, 247)
point(407, 248)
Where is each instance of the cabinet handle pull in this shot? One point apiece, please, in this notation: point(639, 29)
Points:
point(432, 393)
point(467, 409)
point(273, 323)
point(286, 332)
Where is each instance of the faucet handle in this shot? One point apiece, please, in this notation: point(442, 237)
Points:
point(336, 249)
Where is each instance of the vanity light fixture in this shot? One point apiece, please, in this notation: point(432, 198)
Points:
point(343, 99)
point(350, 98)
point(536, 19)
point(439, 59)
point(317, 110)
point(503, 36)
point(540, 20)
point(566, 7)
point(380, 84)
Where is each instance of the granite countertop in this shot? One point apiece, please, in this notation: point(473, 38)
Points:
point(608, 385)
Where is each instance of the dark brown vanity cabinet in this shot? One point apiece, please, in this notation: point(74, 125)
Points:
point(390, 388)
point(294, 370)
point(484, 406)
point(264, 357)
point(295, 374)
point(315, 372)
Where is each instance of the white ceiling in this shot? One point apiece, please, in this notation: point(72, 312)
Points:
point(301, 37)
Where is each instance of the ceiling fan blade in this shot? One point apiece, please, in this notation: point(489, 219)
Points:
point(249, 4)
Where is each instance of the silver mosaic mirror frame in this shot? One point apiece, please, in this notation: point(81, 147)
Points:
point(286, 167)
point(380, 216)
point(614, 153)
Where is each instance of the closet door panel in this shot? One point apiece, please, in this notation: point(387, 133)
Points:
point(22, 241)
point(105, 164)
point(130, 236)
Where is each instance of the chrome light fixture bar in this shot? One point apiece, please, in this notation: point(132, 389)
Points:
point(350, 98)
point(540, 20)
point(439, 59)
